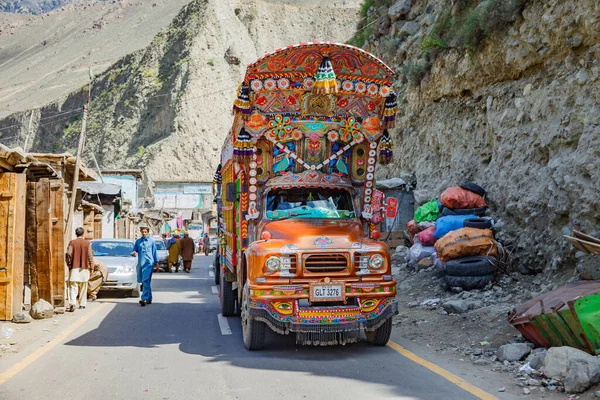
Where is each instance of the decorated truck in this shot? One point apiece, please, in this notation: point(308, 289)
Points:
point(297, 205)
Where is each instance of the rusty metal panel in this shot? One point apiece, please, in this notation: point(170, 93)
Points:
point(567, 316)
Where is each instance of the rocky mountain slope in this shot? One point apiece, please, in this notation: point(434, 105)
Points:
point(166, 108)
point(32, 6)
point(504, 93)
point(44, 58)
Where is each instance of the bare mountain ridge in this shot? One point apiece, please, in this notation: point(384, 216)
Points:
point(166, 108)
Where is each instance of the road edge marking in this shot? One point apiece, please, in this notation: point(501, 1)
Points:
point(211, 273)
point(214, 289)
point(43, 349)
point(224, 325)
point(458, 381)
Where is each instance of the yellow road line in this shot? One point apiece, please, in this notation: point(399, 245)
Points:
point(24, 363)
point(461, 383)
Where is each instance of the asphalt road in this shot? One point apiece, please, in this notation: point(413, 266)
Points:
point(175, 348)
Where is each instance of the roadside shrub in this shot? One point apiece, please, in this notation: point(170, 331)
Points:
point(431, 44)
point(414, 72)
point(368, 19)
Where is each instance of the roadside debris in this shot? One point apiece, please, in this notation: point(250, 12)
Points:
point(567, 316)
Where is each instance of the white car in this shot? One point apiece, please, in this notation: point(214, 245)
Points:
point(162, 253)
point(122, 266)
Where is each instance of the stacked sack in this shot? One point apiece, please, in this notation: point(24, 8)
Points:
point(462, 241)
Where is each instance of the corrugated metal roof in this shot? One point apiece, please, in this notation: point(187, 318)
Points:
point(100, 188)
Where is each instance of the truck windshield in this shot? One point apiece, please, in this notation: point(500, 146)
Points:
point(309, 203)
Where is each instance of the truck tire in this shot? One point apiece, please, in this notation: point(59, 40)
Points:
point(471, 266)
point(253, 331)
point(473, 187)
point(479, 223)
point(217, 269)
point(381, 335)
point(227, 297)
point(464, 211)
point(469, 282)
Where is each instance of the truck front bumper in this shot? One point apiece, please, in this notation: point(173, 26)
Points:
point(324, 325)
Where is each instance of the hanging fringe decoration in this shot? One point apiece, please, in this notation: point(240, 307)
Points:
point(325, 82)
point(389, 111)
point(218, 179)
point(385, 148)
point(243, 149)
point(241, 105)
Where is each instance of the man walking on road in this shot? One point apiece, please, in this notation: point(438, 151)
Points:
point(145, 250)
point(80, 260)
point(174, 253)
point(206, 244)
point(187, 251)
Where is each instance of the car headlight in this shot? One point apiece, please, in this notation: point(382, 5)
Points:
point(273, 263)
point(377, 261)
point(125, 269)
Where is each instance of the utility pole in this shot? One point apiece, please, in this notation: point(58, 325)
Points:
point(69, 227)
point(97, 167)
point(28, 131)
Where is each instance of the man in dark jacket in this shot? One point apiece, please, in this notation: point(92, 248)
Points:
point(79, 259)
point(187, 251)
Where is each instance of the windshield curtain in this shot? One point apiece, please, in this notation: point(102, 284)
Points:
point(112, 249)
point(309, 203)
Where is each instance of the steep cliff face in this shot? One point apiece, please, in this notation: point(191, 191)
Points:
point(167, 108)
point(505, 97)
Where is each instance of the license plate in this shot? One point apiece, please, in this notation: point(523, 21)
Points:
point(326, 292)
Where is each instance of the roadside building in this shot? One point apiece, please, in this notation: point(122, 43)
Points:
point(184, 201)
point(102, 206)
point(35, 192)
point(129, 180)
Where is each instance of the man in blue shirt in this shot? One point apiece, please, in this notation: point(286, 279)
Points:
point(145, 250)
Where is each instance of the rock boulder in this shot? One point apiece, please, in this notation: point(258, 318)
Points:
point(513, 352)
point(21, 318)
point(577, 369)
point(42, 309)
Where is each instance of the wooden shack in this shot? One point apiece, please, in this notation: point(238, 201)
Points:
point(33, 203)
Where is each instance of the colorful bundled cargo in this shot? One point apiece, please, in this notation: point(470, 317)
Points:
point(300, 212)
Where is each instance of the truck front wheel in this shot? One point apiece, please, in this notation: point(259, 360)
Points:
point(381, 335)
point(253, 331)
point(227, 298)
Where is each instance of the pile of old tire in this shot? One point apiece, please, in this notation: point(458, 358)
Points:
point(470, 273)
point(470, 255)
point(464, 199)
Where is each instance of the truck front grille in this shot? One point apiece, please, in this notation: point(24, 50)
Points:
point(326, 263)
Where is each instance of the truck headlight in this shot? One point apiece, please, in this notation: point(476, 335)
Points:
point(377, 261)
point(273, 263)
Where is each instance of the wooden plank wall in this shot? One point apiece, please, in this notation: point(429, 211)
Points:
point(88, 224)
point(98, 226)
point(57, 196)
point(31, 241)
point(12, 236)
point(44, 240)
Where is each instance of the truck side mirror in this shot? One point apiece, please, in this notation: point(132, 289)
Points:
point(230, 192)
